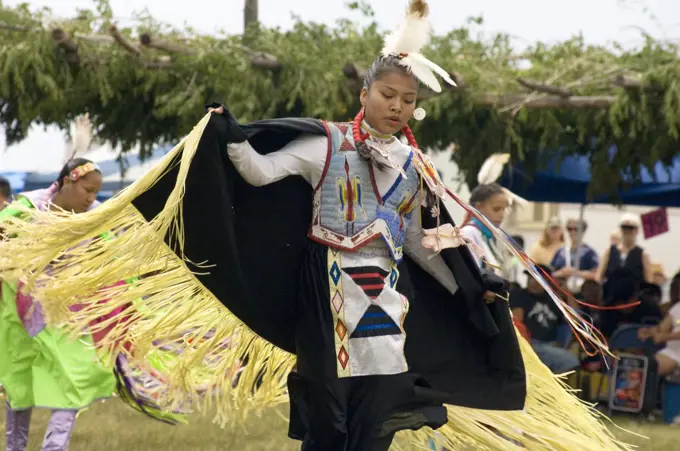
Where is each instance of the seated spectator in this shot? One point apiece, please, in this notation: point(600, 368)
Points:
point(591, 294)
point(666, 333)
point(580, 255)
point(651, 292)
point(538, 317)
point(673, 293)
point(624, 290)
point(674, 290)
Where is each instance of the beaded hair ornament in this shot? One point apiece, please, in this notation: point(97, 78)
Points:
point(76, 174)
point(405, 43)
point(408, 40)
point(81, 171)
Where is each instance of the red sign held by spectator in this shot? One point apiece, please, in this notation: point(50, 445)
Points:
point(654, 223)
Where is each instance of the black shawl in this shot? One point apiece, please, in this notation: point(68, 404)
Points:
point(255, 236)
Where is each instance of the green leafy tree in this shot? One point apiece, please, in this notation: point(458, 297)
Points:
point(147, 85)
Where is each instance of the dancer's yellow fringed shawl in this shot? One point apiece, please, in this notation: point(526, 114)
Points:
point(62, 271)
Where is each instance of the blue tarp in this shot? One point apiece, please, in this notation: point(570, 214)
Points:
point(17, 180)
point(567, 180)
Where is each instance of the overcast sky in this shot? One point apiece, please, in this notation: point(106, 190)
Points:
point(528, 21)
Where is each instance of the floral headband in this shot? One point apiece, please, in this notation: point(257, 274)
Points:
point(82, 170)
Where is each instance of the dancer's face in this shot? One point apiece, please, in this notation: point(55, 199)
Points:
point(390, 101)
point(78, 196)
point(494, 208)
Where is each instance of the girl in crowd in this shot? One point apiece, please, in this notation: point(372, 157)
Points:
point(492, 201)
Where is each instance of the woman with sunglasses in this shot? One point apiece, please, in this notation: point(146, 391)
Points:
point(627, 255)
point(577, 261)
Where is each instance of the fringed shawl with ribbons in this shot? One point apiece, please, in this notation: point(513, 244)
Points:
point(218, 260)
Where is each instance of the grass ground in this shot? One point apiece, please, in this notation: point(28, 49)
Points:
point(113, 426)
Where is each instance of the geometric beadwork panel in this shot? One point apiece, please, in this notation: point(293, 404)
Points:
point(335, 273)
point(394, 276)
point(337, 302)
point(371, 279)
point(346, 146)
point(375, 323)
point(343, 357)
point(341, 330)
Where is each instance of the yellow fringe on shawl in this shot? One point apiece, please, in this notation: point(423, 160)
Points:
point(553, 419)
point(176, 308)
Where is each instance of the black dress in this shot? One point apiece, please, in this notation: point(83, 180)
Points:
point(460, 350)
point(632, 266)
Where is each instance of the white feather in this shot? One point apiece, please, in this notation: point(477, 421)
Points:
point(81, 138)
point(492, 169)
point(411, 36)
point(409, 39)
point(421, 72)
point(512, 198)
point(421, 60)
point(82, 134)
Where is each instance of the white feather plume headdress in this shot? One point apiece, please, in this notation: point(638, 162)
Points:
point(81, 137)
point(409, 39)
point(492, 170)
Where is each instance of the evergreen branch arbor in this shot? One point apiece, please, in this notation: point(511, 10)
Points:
point(147, 85)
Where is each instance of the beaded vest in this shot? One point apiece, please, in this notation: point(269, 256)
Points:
point(348, 210)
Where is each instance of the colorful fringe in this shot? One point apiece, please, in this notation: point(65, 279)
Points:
point(176, 309)
point(588, 336)
point(553, 419)
point(141, 388)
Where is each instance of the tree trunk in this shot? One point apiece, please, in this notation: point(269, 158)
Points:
point(249, 13)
